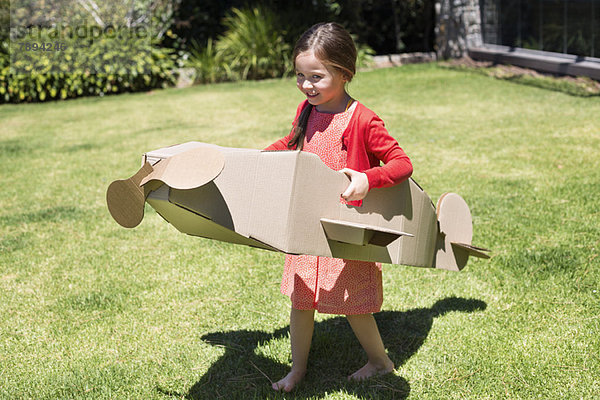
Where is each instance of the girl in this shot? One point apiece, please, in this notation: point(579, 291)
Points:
point(349, 137)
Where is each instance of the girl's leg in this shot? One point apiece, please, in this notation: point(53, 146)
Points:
point(302, 324)
point(365, 329)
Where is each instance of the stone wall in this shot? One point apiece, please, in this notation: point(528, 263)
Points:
point(458, 26)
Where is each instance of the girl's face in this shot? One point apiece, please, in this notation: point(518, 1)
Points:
point(323, 86)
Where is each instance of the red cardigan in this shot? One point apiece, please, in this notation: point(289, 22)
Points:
point(367, 142)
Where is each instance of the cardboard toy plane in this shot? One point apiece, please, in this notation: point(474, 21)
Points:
point(289, 201)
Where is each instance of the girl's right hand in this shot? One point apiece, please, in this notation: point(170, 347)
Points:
point(358, 187)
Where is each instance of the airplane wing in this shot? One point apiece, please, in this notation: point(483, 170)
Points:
point(359, 234)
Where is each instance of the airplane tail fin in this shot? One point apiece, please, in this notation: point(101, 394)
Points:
point(125, 198)
point(455, 231)
point(187, 170)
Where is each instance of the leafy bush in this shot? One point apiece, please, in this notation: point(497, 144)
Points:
point(386, 26)
point(252, 48)
point(209, 68)
point(100, 69)
point(90, 55)
point(364, 56)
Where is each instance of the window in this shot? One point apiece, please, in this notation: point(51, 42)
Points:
point(561, 26)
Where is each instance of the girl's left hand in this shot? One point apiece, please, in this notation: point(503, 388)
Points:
point(359, 185)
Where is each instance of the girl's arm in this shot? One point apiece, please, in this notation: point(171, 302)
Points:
point(282, 143)
point(397, 166)
point(380, 146)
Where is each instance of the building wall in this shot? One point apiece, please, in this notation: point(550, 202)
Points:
point(458, 26)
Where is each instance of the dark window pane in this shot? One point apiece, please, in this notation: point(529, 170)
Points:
point(553, 25)
point(531, 25)
point(579, 27)
point(510, 26)
point(596, 29)
point(491, 21)
point(562, 26)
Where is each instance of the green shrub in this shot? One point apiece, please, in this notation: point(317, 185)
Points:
point(387, 26)
point(364, 56)
point(209, 68)
point(99, 69)
point(252, 47)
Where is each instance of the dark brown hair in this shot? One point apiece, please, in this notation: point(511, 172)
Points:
point(334, 47)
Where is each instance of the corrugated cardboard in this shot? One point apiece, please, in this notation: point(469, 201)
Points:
point(289, 201)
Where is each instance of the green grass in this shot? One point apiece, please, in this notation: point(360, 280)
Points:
point(89, 310)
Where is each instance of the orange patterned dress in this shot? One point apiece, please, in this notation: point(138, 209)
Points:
point(331, 285)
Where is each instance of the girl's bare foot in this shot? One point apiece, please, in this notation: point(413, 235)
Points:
point(371, 369)
point(289, 382)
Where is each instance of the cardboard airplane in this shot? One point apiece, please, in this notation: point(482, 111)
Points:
point(289, 201)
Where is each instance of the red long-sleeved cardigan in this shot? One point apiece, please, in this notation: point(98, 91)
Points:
point(367, 142)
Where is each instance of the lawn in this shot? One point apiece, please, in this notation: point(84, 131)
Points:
point(90, 310)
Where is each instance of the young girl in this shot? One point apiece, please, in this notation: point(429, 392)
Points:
point(349, 137)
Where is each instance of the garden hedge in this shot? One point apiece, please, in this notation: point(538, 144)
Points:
point(106, 66)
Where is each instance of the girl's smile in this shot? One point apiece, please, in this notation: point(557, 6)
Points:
point(323, 86)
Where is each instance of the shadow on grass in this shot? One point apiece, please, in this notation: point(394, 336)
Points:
point(245, 372)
